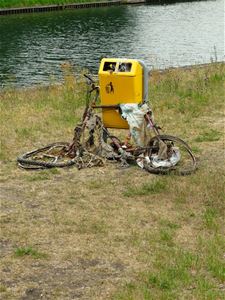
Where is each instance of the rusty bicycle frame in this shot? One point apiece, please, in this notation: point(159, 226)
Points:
point(64, 154)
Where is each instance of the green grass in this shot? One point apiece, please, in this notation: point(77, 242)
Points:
point(40, 115)
point(210, 135)
point(38, 176)
point(209, 218)
point(29, 251)
point(189, 93)
point(184, 271)
point(181, 274)
point(154, 187)
point(23, 3)
point(169, 224)
point(94, 227)
point(2, 288)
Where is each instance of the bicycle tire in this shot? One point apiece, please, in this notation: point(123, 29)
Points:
point(25, 161)
point(186, 166)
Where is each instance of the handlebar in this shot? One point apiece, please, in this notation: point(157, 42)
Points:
point(89, 78)
point(92, 84)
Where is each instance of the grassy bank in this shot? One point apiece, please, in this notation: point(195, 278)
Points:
point(25, 3)
point(109, 233)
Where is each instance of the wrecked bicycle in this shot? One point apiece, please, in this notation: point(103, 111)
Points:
point(93, 143)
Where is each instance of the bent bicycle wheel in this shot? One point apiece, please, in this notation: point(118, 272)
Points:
point(180, 159)
point(50, 156)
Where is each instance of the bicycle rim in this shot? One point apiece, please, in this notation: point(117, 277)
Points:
point(185, 166)
point(46, 157)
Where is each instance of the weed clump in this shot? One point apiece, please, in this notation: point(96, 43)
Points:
point(29, 251)
point(211, 135)
point(154, 187)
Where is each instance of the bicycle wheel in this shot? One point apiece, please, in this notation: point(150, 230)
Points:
point(50, 156)
point(179, 157)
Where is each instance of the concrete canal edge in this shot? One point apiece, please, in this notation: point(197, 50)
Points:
point(47, 8)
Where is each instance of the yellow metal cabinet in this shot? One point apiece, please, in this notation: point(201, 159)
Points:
point(120, 81)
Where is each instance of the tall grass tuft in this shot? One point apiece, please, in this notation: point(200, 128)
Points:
point(40, 115)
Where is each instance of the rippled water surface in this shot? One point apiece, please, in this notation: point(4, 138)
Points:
point(33, 47)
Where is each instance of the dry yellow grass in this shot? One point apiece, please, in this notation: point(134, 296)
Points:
point(69, 234)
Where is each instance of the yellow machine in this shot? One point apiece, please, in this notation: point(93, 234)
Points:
point(121, 81)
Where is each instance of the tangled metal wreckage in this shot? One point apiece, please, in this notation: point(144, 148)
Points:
point(123, 93)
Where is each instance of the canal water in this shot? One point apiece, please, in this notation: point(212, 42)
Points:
point(33, 47)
